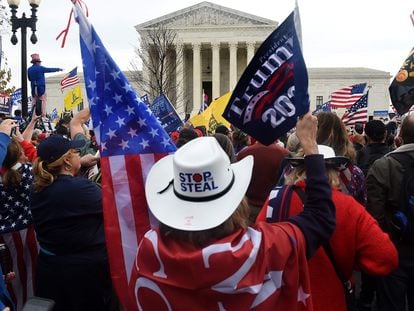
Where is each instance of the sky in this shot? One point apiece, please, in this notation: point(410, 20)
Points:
point(364, 33)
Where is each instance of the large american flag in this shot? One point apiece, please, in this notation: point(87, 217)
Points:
point(347, 96)
point(131, 140)
point(17, 232)
point(70, 79)
point(357, 113)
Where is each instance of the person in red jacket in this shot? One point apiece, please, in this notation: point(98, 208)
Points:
point(358, 243)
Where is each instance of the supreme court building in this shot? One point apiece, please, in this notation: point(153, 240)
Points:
point(218, 43)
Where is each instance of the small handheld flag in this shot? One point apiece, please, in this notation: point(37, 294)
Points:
point(70, 79)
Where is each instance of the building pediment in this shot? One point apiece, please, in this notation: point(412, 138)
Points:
point(206, 14)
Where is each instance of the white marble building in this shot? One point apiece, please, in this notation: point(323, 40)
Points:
point(218, 42)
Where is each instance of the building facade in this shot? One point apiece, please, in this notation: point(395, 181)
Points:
point(217, 43)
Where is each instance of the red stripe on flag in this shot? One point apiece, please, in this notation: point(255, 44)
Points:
point(23, 250)
point(20, 263)
point(113, 236)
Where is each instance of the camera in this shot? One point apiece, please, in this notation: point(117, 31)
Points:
point(5, 259)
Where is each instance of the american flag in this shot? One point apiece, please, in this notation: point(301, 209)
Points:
point(70, 79)
point(131, 140)
point(325, 107)
point(18, 234)
point(347, 96)
point(357, 113)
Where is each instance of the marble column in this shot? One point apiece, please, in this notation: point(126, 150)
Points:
point(233, 64)
point(216, 70)
point(179, 73)
point(196, 78)
point(250, 51)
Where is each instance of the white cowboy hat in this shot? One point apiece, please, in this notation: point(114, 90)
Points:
point(197, 188)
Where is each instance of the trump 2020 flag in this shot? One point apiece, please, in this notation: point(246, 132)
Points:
point(273, 90)
point(131, 140)
point(402, 87)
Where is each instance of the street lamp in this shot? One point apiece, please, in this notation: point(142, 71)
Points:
point(23, 23)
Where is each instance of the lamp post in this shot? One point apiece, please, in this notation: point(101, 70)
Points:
point(23, 23)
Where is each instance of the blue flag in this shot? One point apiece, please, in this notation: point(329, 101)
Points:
point(166, 114)
point(273, 90)
point(325, 107)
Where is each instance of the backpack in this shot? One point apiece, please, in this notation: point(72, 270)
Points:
point(402, 219)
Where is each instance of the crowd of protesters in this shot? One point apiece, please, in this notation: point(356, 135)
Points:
point(318, 205)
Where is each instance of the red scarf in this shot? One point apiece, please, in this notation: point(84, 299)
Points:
point(261, 268)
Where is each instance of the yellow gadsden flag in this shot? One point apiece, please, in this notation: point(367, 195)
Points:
point(73, 98)
point(211, 117)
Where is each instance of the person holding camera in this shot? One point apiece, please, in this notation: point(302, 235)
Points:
point(36, 75)
point(385, 183)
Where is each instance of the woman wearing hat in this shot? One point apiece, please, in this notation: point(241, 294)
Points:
point(358, 243)
point(72, 266)
point(36, 75)
point(204, 256)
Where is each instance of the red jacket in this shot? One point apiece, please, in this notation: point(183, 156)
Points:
point(357, 243)
point(29, 150)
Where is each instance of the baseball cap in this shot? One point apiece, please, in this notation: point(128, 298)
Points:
point(55, 146)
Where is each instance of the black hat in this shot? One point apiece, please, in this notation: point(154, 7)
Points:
point(55, 146)
point(331, 160)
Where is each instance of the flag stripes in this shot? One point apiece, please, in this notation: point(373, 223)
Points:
point(347, 96)
point(23, 249)
point(70, 79)
point(358, 112)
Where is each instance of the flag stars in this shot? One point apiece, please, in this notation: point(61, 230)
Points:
point(108, 110)
point(132, 132)
point(117, 98)
point(154, 132)
point(124, 144)
point(95, 46)
point(144, 143)
point(111, 134)
point(302, 296)
point(120, 121)
point(115, 74)
point(103, 146)
point(91, 85)
point(130, 110)
point(166, 142)
point(128, 88)
point(106, 86)
point(141, 122)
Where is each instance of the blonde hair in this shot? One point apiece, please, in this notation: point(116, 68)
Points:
point(46, 173)
point(239, 219)
point(299, 173)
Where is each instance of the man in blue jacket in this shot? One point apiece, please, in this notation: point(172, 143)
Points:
point(36, 75)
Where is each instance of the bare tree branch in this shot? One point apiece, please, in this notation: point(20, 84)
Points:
point(159, 56)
